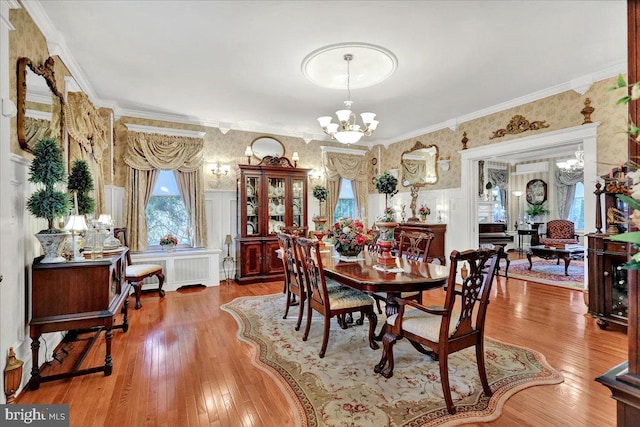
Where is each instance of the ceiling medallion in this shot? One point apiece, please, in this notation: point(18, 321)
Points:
point(374, 64)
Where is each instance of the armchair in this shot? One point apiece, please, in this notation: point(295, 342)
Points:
point(559, 232)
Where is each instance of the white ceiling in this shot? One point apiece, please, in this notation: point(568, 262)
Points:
point(240, 61)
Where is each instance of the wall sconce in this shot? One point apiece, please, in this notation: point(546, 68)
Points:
point(248, 152)
point(9, 109)
point(12, 376)
point(217, 169)
point(440, 209)
point(295, 157)
point(444, 163)
point(315, 174)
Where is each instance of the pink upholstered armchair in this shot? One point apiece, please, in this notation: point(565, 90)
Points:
point(559, 231)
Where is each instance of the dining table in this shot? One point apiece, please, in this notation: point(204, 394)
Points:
point(364, 273)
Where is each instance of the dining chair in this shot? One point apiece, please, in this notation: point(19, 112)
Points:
point(293, 282)
point(337, 300)
point(414, 245)
point(443, 329)
point(292, 230)
point(136, 273)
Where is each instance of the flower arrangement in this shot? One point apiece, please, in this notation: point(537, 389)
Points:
point(348, 235)
point(169, 239)
point(424, 210)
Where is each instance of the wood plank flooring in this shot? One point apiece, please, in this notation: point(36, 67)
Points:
point(180, 364)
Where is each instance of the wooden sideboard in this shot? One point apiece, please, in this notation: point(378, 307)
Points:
point(436, 251)
point(77, 296)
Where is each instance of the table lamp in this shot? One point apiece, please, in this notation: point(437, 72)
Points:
point(227, 263)
point(76, 224)
point(518, 194)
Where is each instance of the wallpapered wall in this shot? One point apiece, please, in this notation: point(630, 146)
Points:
point(559, 111)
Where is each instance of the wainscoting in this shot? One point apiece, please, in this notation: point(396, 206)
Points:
point(182, 268)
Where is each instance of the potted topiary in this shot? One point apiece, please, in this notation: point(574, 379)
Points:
point(536, 210)
point(386, 184)
point(320, 193)
point(79, 185)
point(46, 170)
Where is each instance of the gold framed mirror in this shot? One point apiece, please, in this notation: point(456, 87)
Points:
point(40, 104)
point(418, 165)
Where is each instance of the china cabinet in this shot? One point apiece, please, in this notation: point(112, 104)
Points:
point(271, 195)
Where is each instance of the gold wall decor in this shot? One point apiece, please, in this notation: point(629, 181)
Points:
point(464, 140)
point(12, 376)
point(587, 111)
point(519, 124)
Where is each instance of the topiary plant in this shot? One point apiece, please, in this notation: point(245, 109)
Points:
point(321, 193)
point(47, 169)
point(81, 182)
point(386, 184)
point(536, 209)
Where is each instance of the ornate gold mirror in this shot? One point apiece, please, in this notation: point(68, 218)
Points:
point(40, 105)
point(418, 165)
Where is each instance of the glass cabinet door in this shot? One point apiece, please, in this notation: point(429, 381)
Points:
point(298, 203)
point(253, 205)
point(277, 208)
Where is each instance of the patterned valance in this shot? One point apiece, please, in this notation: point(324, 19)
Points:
point(347, 166)
point(85, 125)
point(147, 151)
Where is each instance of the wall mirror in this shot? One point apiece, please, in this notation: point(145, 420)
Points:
point(40, 105)
point(418, 165)
point(536, 191)
point(267, 146)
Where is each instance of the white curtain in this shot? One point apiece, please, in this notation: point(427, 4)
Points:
point(566, 190)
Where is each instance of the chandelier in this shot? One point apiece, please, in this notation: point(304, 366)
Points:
point(573, 164)
point(347, 131)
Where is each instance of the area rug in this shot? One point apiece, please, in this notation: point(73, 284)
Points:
point(548, 272)
point(342, 390)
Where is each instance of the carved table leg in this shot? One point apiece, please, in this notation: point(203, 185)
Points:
point(390, 309)
point(161, 279)
point(125, 310)
point(34, 384)
point(567, 260)
point(108, 365)
point(529, 258)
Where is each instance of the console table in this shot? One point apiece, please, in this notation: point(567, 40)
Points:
point(83, 296)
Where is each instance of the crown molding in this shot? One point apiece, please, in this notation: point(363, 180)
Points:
point(57, 46)
point(327, 149)
point(165, 131)
point(5, 7)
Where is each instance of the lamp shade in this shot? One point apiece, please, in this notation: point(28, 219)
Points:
point(348, 137)
point(104, 219)
point(77, 223)
point(248, 151)
point(517, 193)
point(227, 240)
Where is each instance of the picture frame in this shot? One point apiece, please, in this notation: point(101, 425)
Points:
point(536, 192)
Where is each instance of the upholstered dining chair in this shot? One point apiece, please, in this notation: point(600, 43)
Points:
point(444, 330)
point(413, 245)
point(337, 300)
point(559, 231)
point(292, 230)
point(136, 273)
point(293, 282)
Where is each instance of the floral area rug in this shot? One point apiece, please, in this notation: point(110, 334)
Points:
point(342, 390)
point(548, 272)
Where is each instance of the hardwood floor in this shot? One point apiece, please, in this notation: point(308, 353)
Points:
point(180, 364)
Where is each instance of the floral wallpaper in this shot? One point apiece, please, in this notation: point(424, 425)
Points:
point(559, 111)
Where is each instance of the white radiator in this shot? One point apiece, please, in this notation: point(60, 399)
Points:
point(182, 267)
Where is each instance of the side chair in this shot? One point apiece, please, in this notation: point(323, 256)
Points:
point(136, 273)
point(414, 245)
point(337, 300)
point(443, 329)
point(293, 282)
point(292, 230)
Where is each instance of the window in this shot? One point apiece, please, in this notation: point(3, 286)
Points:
point(346, 206)
point(576, 215)
point(166, 212)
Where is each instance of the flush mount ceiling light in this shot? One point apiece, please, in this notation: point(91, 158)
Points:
point(374, 64)
point(573, 164)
